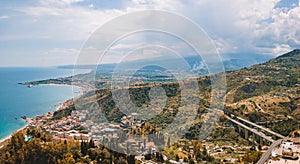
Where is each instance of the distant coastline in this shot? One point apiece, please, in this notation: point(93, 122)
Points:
point(75, 80)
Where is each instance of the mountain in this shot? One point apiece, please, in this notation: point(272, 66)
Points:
point(291, 54)
point(230, 62)
point(268, 93)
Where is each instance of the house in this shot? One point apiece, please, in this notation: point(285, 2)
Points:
point(151, 146)
point(296, 141)
point(286, 144)
point(173, 162)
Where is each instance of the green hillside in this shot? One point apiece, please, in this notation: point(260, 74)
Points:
point(268, 92)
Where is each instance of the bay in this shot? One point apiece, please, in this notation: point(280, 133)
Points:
point(18, 100)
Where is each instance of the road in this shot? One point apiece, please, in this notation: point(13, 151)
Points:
point(264, 129)
point(266, 156)
point(268, 138)
point(261, 134)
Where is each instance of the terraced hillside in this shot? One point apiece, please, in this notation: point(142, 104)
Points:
point(268, 93)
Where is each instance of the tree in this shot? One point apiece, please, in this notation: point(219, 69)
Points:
point(169, 142)
point(177, 157)
point(121, 160)
point(191, 161)
point(130, 159)
point(252, 156)
point(67, 159)
point(91, 143)
point(83, 148)
point(148, 155)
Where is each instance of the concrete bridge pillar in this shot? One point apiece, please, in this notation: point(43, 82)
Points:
point(260, 140)
point(246, 134)
point(239, 129)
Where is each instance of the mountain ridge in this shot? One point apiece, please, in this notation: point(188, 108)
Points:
point(290, 54)
point(268, 91)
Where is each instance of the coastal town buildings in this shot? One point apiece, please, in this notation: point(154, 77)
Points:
point(287, 152)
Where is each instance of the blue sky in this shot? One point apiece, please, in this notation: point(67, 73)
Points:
point(52, 32)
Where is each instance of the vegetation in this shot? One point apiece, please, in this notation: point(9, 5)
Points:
point(252, 156)
point(199, 152)
point(42, 149)
point(267, 93)
point(247, 87)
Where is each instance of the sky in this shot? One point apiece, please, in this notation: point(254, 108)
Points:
point(52, 32)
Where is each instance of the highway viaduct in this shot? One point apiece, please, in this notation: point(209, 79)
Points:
point(249, 129)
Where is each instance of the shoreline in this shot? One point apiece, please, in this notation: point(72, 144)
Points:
point(5, 139)
point(29, 120)
point(57, 107)
point(81, 89)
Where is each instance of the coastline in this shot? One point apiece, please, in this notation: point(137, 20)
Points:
point(29, 120)
point(58, 105)
point(81, 89)
point(7, 138)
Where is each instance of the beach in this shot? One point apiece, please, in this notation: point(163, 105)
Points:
point(8, 137)
point(30, 120)
point(5, 139)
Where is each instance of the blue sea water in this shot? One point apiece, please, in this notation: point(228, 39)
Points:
point(19, 100)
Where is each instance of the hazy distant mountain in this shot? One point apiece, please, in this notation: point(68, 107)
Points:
point(196, 64)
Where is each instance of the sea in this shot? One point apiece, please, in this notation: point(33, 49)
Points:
point(19, 100)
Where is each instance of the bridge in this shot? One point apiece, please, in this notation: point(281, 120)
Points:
point(259, 133)
point(255, 133)
point(249, 129)
point(260, 127)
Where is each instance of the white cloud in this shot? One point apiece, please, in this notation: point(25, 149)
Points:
point(281, 49)
point(122, 46)
point(41, 11)
point(91, 6)
point(228, 20)
point(225, 46)
point(66, 23)
point(235, 26)
point(284, 30)
point(248, 25)
point(169, 5)
point(4, 17)
point(60, 2)
point(62, 51)
point(71, 1)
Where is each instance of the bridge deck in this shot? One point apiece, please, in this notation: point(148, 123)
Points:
point(268, 138)
point(264, 129)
